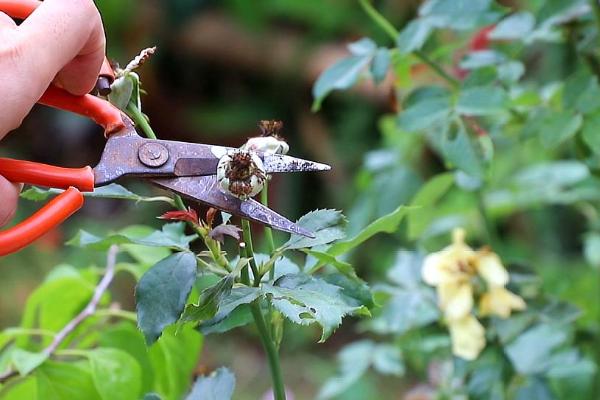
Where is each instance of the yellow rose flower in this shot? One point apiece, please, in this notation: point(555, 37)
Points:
point(490, 268)
point(499, 301)
point(455, 299)
point(468, 337)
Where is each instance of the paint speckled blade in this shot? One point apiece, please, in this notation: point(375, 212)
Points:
point(275, 163)
point(205, 189)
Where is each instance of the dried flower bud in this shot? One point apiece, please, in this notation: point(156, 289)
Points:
point(140, 59)
point(241, 173)
point(270, 142)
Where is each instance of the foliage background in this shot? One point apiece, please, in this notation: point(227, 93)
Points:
point(223, 65)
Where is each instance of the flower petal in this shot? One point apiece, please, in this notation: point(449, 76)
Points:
point(456, 299)
point(468, 337)
point(491, 269)
point(501, 302)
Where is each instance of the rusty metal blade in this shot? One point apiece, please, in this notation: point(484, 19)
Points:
point(204, 189)
point(280, 163)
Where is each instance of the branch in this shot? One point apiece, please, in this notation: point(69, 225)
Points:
point(89, 310)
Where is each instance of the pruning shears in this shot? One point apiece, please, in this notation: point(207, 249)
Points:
point(187, 169)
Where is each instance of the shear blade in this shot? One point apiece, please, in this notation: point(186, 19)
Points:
point(281, 163)
point(205, 189)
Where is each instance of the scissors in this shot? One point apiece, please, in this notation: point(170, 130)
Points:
point(187, 169)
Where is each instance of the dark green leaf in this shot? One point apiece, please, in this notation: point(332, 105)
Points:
point(240, 316)
point(380, 64)
point(460, 152)
point(458, 14)
point(116, 374)
point(533, 388)
point(341, 75)
point(217, 386)
point(162, 293)
point(304, 299)
point(530, 352)
point(326, 225)
point(327, 259)
point(424, 114)
point(590, 135)
point(209, 301)
point(558, 127)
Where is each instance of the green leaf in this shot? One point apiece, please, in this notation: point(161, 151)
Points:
point(533, 388)
point(380, 65)
point(327, 259)
point(590, 130)
point(26, 361)
point(530, 352)
point(516, 26)
point(112, 191)
point(458, 14)
point(228, 304)
point(22, 389)
point(209, 301)
point(484, 100)
point(240, 316)
point(60, 381)
point(459, 151)
point(557, 127)
point(116, 374)
point(162, 292)
point(171, 236)
point(414, 35)
point(341, 75)
point(362, 47)
point(388, 223)
point(424, 114)
point(326, 225)
point(424, 200)
point(591, 249)
point(174, 358)
point(217, 386)
point(304, 300)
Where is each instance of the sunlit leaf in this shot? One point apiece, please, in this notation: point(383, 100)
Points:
point(116, 374)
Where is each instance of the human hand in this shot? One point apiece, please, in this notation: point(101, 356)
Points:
point(63, 42)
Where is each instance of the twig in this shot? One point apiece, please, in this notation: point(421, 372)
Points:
point(111, 260)
point(89, 310)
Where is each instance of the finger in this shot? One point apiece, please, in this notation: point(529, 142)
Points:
point(9, 193)
point(6, 22)
point(63, 34)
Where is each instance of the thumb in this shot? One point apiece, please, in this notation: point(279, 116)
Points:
point(9, 195)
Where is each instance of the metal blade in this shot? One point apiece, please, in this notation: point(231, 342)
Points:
point(205, 189)
point(280, 163)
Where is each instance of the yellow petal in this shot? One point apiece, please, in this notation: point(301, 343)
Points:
point(433, 269)
point(456, 299)
point(499, 301)
point(491, 269)
point(468, 337)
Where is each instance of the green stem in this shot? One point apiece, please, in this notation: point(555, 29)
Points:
point(261, 326)
point(264, 199)
point(109, 312)
point(492, 235)
point(250, 251)
point(393, 33)
point(140, 120)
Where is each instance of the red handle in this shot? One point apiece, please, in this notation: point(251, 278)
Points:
point(33, 173)
point(52, 214)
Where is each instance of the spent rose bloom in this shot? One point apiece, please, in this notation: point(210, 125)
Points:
point(453, 271)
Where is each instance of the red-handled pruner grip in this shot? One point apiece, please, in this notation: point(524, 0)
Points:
point(73, 180)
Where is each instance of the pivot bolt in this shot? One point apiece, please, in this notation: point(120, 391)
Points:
point(153, 154)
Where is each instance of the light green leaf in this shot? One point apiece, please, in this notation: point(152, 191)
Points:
point(483, 100)
point(162, 293)
point(458, 14)
point(424, 114)
point(60, 381)
point(326, 225)
point(362, 47)
point(414, 35)
point(557, 127)
point(116, 374)
point(530, 352)
point(327, 259)
point(217, 386)
point(304, 300)
point(590, 132)
point(591, 249)
point(424, 200)
point(459, 151)
point(515, 27)
point(533, 388)
point(341, 75)
point(388, 223)
point(174, 358)
point(170, 236)
point(26, 361)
